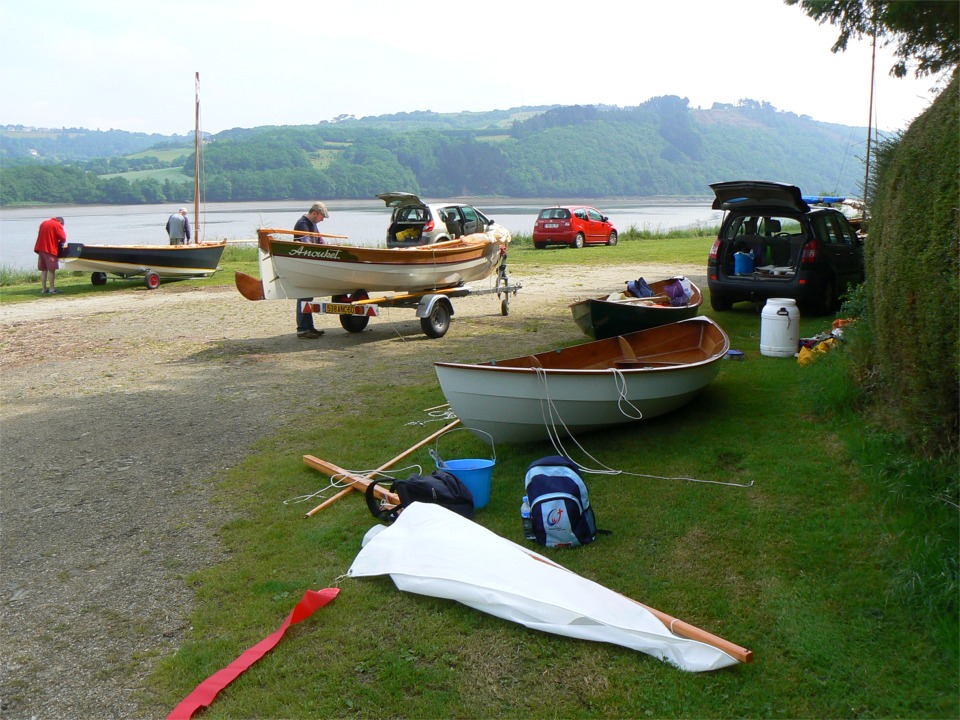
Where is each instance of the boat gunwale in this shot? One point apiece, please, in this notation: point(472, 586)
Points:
point(450, 252)
point(702, 322)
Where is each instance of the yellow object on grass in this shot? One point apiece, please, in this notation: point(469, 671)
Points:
point(808, 355)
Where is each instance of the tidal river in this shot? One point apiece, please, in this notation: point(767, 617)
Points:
point(362, 221)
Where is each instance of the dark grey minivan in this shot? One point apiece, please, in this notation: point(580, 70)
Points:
point(772, 244)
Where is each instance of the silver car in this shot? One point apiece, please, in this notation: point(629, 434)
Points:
point(414, 222)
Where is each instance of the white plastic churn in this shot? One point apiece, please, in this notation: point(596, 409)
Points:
point(780, 328)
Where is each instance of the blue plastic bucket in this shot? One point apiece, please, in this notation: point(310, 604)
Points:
point(475, 473)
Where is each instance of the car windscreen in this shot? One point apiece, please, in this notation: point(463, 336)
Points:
point(555, 214)
point(763, 226)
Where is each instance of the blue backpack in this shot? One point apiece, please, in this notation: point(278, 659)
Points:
point(559, 503)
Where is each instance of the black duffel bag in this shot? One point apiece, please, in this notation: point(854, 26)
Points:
point(440, 487)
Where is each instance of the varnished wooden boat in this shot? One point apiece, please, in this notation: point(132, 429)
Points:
point(294, 269)
point(620, 313)
point(592, 386)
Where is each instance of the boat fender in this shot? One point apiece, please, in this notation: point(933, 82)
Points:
point(427, 303)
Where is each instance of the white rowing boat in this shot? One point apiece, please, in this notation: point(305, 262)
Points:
point(587, 387)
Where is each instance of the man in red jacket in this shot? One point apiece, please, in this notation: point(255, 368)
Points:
point(49, 239)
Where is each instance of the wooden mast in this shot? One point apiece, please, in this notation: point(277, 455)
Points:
point(196, 163)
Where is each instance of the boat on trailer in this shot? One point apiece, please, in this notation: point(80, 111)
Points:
point(623, 312)
point(153, 262)
point(592, 386)
point(292, 268)
point(362, 280)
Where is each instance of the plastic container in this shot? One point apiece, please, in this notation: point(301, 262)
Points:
point(780, 328)
point(475, 473)
point(742, 263)
point(527, 519)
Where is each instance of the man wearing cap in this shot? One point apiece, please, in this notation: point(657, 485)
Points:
point(178, 227)
point(49, 240)
point(309, 224)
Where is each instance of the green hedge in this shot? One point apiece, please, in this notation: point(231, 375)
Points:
point(913, 276)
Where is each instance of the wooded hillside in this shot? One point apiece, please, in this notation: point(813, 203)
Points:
point(660, 148)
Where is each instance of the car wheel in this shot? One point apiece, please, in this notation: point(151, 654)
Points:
point(539, 246)
point(720, 302)
point(98, 278)
point(612, 240)
point(827, 302)
point(578, 240)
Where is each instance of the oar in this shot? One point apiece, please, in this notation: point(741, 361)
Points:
point(358, 482)
point(677, 627)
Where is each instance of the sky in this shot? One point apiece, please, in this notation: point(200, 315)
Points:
point(130, 65)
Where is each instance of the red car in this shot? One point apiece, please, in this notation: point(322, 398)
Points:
point(573, 225)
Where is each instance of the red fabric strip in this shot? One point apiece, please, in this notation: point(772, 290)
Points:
point(206, 691)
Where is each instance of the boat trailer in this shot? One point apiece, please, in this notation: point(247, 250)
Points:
point(433, 307)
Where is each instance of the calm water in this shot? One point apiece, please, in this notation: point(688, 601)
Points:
point(363, 221)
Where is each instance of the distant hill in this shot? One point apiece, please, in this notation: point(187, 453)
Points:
point(660, 148)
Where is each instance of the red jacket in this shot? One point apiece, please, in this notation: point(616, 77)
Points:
point(51, 237)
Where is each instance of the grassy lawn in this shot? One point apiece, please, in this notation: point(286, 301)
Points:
point(806, 566)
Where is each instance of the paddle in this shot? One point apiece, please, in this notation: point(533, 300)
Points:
point(360, 482)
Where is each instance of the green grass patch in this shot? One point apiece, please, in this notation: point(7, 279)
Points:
point(807, 566)
point(173, 174)
point(837, 566)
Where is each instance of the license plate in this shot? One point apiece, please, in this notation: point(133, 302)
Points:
point(341, 309)
point(551, 226)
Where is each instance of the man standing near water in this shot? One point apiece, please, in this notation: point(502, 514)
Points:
point(309, 223)
point(178, 227)
point(49, 240)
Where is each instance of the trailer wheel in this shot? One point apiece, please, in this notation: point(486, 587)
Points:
point(151, 280)
point(436, 324)
point(353, 323)
point(505, 306)
point(98, 278)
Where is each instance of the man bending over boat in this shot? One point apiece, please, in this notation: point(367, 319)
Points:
point(178, 227)
point(309, 223)
point(50, 239)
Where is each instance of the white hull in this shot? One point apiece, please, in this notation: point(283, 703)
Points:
point(299, 270)
point(517, 404)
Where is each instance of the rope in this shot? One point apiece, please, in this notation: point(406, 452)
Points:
point(339, 481)
point(443, 413)
point(551, 416)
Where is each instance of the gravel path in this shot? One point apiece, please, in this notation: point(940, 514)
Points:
point(120, 411)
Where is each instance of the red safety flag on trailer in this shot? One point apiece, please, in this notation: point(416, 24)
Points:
point(206, 691)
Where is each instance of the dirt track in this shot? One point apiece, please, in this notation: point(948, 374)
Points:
point(119, 411)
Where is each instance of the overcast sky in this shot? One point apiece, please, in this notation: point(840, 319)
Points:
point(129, 64)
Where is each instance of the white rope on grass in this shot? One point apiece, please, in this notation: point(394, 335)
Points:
point(341, 481)
point(551, 416)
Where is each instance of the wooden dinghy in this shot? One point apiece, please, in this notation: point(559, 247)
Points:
point(294, 269)
point(621, 313)
point(592, 386)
